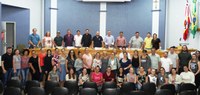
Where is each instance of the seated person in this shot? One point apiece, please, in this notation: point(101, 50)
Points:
point(187, 76)
point(108, 75)
point(71, 76)
point(53, 75)
point(131, 76)
point(152, 78)
point(97, 76)
point(120, 77)
point(162, 77)
point(83, 77)
point(174, 78)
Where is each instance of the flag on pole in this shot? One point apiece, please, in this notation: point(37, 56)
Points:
point(186, 21)
point(194, 26)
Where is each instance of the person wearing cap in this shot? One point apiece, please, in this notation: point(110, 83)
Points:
point(58, 40)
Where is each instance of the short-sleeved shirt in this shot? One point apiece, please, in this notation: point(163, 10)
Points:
point(68, 39)
point(77, 40)
point(166, 62)
point(58, 40)
point(156, 43)
point(96, 77)
point(25, 63)
point(136, 42)
point(107, 77)
point(131, 77)
point(86, 40)
point(121, 41)
point(161, 79)
point(53, 76)
point(173, 58)
point(155, 59)
point(34, 38)
point(48, 42)
point(7, 60)
point(97, 41)
point(88, 59)
point(41, 57)
point(17, 60)
point(148, 44)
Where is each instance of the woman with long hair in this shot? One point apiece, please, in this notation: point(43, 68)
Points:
point(47, 41)
point(71, 76)
point(121, 77)
point(70, 60)
point(17, 64)
point(25, 65)
point(162, 77)
point(96, 61)
point(145, 60)
point(141, 77)
point(53, 75)
point(47, 63)
point(114, 63)
point(34, 66)
point(136, 63)
point(41, 57)
point(83, 77)
point(78, 64)
point(125, 63)
point(63, 63)
point(174, 78)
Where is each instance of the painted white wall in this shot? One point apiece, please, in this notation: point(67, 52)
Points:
point(174, 25)
point(35, 6)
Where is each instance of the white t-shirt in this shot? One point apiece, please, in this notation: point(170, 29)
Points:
point(48, 42)
point(165, 63)
point(121, 55)
point(173, 57)
point(77, 40)
point(152, 79)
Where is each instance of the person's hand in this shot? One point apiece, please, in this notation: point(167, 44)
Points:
point(4, 71)
point(34, 71)
point(46, 72)
point(15, 71)
point(40, 71)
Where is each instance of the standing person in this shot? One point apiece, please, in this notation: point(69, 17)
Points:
point(17, 63)
point(25, 65)
point(41, 57)
point(109, 40)
point(70, 60)
point(77, 39)
point(131, 76)
point(121, 77)
point(71, 76)
point(47, 41)
point(63, 63)
point(48, 63)
point(83, 77)
point(152, 78)
point(174, 79)
point(145, 60)
point(187, 76)
point(155, 60)
point(148, 42)
point(55, 59)
point(97, 41)
point(97, 77)
point(166, 63)
point(136, 41)
point(53, 75)
point(141, 77)
point(108, 76)
point(34, 66)
point(174, 58)
point(162, 77)
point(34, 39)
point(194, 66)
point(58, 40)
point(87, 60)
point(121, 40)
point(198, 54)
point(78, 64)
point(125, 63)
point(104, 60)
point(86, 39)
point(156, 43)
point(96, 61)
point(68, 38)
point(121, 55)
point(136, 62)
point(6, 63)
point(184, 58)
point(113, 63)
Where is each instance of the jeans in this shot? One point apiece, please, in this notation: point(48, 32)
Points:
point(7, 75)
point(24, 72)
point(136, 70)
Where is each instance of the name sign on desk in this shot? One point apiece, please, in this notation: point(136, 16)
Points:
point(97, 48)
point(70, 47)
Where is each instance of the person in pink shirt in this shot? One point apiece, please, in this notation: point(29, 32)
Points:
point(121, 40)
point(97, 76)
point(87, 60)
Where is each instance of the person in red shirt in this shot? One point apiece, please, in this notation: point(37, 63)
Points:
point(108, 75)
point(41, 57)
point(97, 76)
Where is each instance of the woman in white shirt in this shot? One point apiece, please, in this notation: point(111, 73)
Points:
point(152, 78)
point(83, 77)
point(187, 76)
point(96, 61)
point(174, 78)
point(71, 76)
point(47, 41)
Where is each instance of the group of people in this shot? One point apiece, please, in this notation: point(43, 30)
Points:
point(86, 40)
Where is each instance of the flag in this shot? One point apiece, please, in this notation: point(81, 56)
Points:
point(186, 21)
point(194, 26)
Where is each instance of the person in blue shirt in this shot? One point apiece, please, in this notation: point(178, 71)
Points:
point(34, 39)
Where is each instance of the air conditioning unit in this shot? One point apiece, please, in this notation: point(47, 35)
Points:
point(105, 0)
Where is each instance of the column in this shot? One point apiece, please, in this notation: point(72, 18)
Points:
point(155, 16)
point(53, 18)
point(102, 27)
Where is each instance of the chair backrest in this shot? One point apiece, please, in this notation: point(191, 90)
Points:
point(187, 86)
point(1, 87)
point(88, 91)
point(14, 83)
point(30, 84)
point(188, 92)
point(126, 88)
point(149, 88)
point(199, 90)
point(138, 93)
point(12, 91)
point(110, 91)
point(72, 86)
point(90, 85)
point(49, 86)
point(36, 91)
point(60, 91)
point(170, 87)
point(164, 92)
point(109, 85)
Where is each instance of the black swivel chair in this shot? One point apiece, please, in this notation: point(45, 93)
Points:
point(187, 86)
point(49, 86)
point(12, 91)
point(108, 85)
point(126, 88)
point(30, 84)
point(138, 93)
point(170, 87)
point(1, 87)
point(60, 91)
point(90, 85)
point(164, 92)
point(188, 92)
point(36, 91)
point(110, 91)
point(72, 86)
point(88, 91)
point(14, 83)
point(149, 88)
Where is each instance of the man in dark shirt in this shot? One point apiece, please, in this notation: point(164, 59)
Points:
point(68, 38)
point(86, 39)
point(7, 66)
point(97, 41)
point(58, 40)
point(184, 58)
